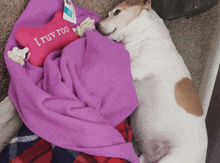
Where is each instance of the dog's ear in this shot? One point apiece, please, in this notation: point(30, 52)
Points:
point(147, 4)
point(134, 2)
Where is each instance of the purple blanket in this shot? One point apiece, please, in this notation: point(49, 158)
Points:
point(80, 95)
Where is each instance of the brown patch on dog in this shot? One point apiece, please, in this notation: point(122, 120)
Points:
point(134, 2)
point(130, 13)
point(122, 6)
point(187, 97)
point(137, 2)
point(146, 4)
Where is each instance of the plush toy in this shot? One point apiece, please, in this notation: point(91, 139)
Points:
point(41, 41)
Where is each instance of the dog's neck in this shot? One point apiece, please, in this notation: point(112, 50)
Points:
point(148, 25)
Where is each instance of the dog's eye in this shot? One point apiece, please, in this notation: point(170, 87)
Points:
point(117, 12)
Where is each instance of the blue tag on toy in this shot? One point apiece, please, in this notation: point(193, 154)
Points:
point(69, 11)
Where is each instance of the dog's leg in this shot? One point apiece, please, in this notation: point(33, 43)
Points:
point(186, 154)
point(142, 159)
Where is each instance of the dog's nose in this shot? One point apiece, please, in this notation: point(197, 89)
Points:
point(97, 25)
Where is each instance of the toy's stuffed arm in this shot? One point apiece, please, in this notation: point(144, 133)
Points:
point(87, 24)
point(18, 55)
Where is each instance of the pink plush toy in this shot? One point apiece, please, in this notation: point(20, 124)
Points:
point(41, 41)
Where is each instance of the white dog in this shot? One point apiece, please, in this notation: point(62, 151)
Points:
point(169, 124)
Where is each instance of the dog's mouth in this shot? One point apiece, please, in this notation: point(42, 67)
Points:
point(107, 34)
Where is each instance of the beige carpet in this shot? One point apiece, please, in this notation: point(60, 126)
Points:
point(193, 38)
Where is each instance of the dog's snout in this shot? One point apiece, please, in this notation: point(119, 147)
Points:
point(97, 25)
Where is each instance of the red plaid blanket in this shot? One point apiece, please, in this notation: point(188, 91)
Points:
point(41, 152)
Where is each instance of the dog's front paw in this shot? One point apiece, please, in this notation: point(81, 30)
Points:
point(142, 159)
point(18, 55)
point(137, 75)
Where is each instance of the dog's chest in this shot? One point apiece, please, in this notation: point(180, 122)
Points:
point(153, 58)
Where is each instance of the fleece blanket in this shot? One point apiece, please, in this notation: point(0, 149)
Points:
point(26, 147)
point(82, 92)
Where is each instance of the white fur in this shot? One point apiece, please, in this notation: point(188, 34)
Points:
point(159, 122)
